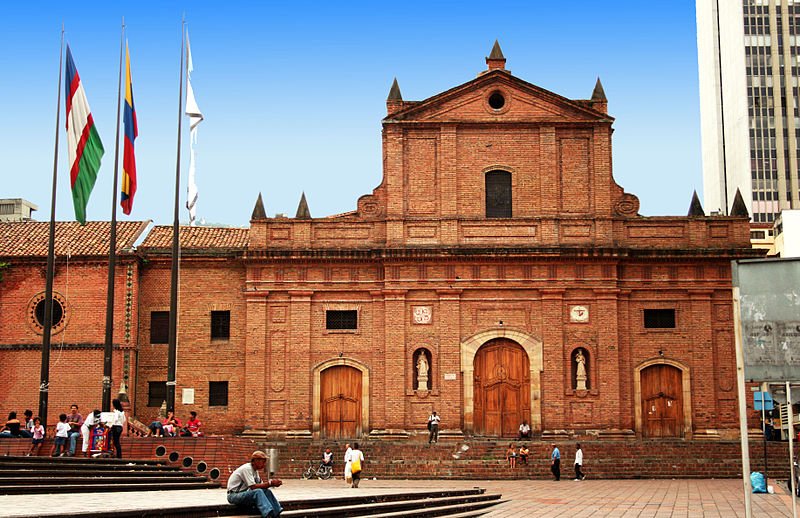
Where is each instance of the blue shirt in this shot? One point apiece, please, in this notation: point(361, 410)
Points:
point(556, 454)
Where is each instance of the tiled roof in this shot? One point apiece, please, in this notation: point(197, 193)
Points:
point(30, 238)
point(197, 238)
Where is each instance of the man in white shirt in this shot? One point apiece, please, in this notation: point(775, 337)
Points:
point(433, 427)
point(86, 428)
point(246, 490)
point(578, 463)
point(524, 430)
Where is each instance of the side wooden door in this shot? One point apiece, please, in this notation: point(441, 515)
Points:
point(340, 408)
point(662, 401)
point(501, 388)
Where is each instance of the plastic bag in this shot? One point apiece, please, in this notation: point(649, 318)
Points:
point(758, 482)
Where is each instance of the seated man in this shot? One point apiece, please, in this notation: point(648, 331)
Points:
point(524, 430)
point(327, 458)
point(192, 428)
point(246, 490)
point(75, 421)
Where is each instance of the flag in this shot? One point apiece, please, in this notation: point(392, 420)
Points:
point(131, 132)
point(84, 147)
point(195, 117)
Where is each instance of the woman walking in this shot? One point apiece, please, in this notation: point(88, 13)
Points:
point(356, 464)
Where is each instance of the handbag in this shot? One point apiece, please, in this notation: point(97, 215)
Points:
point(429, 426)
point(355, 466)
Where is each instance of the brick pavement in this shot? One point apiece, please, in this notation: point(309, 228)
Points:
point(537, 498)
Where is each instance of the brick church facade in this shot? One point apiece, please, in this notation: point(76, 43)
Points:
point(498, 274)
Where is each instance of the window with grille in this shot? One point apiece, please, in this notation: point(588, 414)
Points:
point(498, 194)
point(156, 393)
point(217, 393)
point(341, 319)
point(159, 327)
point(659, 318)
point(220, 325)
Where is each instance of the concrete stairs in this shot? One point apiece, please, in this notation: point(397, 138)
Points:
point(29, 475)
point(454, 504)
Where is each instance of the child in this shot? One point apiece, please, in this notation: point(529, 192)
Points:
point(38, 437)
point(62, 431)
point(511, 456)
point(523, 454)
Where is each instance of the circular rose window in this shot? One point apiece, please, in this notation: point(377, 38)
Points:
point(36, 313)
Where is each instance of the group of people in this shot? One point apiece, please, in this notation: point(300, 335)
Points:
point(555, 462)
point(170, 426)
point(512, 454)
point(70, 426)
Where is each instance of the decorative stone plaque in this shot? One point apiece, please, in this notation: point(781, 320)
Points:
point(578, 314)
point(422, 314)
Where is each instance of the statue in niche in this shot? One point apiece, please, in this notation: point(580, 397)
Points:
point(422, 372)
point(580, 371)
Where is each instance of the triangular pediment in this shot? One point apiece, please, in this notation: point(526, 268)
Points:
point(521, 101)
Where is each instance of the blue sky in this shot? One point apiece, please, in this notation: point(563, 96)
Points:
point(293, 92)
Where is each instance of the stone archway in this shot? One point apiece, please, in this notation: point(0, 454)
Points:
point(685, 394)
point(363, 425)
point(532, 347)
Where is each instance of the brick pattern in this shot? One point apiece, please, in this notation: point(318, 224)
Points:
point(481, 460)
point(421, 238)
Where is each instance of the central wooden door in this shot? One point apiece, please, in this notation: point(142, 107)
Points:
point(662, 401)
point(340, 408)
point(502, 388)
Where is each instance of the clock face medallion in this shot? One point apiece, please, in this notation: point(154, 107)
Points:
point(579, 314)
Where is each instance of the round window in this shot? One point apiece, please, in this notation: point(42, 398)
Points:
point(497, 100)
point(57, 313)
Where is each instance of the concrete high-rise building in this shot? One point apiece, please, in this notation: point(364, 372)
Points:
point(748, 61)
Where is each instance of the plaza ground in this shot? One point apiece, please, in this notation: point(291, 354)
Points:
point(524, 498)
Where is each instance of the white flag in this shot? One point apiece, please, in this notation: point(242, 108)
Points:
point(195, 116)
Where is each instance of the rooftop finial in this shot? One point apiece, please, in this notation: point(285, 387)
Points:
point(394, 92)
point(696, 209)
point(496, 60)
point(302, 208)
point(258, 210)
point(739, 208)
point(599, 94)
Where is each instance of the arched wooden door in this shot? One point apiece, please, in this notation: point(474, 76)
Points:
point(662, 401)
point(340, 405)
point(502, 388)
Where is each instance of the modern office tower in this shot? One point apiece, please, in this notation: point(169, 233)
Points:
point(748, 64)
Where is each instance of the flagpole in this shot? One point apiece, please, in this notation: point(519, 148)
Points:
point(44, 379)
point(173, 295)
point(112, 251)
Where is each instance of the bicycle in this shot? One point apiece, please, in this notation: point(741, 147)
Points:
point(320, 471)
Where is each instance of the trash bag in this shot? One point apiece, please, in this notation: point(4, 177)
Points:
point(758, 482)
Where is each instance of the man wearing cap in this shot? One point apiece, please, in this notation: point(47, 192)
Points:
point(245, 488)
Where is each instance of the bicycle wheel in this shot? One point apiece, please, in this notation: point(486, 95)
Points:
point(326, 473)
point(307, 474)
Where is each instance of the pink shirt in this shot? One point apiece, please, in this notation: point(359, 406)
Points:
point(38, 432)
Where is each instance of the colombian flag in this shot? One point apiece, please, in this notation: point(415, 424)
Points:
point(131, 132)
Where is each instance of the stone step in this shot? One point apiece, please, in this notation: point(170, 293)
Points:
point(100, 487)
point(78, 459)
point(76, 480)
point(410, 508)
point(53, 472)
